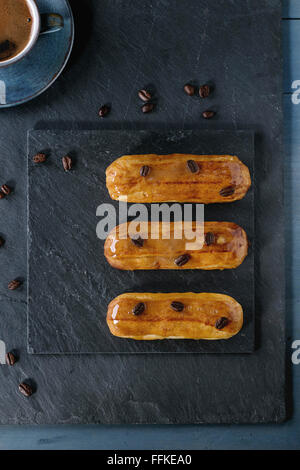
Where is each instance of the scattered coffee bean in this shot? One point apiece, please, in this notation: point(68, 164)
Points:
point(193, 166)
point(7, 48)
point(5, 189)
point(144, 95)
point(39, 158)
point(144, 171)
point(177, 306)
point(189, 89)
point(138, 242)
point(2, 195)
point(221, 323)
point(208, 114)
point(210, 238)
point(67, 163)
point(2, 241)
point(10, 359)
point(139, 309)
point(182, 260)
point(148, 107)
point(13, 285)
point(104, 110)
point(228, 191)
point(204, 91)
point(25, 389)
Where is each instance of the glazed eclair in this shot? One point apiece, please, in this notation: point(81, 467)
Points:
point(178, 178)
point(222, 245)
point(145, 316)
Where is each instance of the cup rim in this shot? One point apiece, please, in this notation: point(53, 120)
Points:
point(35, 31)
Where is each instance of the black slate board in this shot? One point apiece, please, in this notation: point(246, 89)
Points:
point(130, 44)
point(70, 284)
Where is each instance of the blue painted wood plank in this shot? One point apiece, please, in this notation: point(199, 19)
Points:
point(291, 9)
point(291, 56)
point(292, 202)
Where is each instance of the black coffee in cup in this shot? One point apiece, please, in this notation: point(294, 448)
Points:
point(15, 27)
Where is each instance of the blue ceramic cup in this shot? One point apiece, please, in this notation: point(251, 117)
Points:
point(41, 24)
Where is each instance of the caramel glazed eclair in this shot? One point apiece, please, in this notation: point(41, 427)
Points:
point(178, 178)
point(223, 246)
point(174, 316)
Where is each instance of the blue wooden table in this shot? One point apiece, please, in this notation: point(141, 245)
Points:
point(284, 436)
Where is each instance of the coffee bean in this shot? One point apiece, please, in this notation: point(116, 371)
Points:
point(204, 91)
point(210, 238)
point(228, 191)
point(193, 166)
point(189, 89)
point(139, 309)
point(25, 389)
point(13, 285)
point(221, 323)
point(182, 260)
point(144, 171)
point(67, 163)
point(2, 195)
point(10, 359)
point(5, 189)
point(148, 107)
point(144, 95)
point(208, 114)
point(104, 110)
point(2, 241)
point(177, 306)
point(138, 242)
point(39, 158)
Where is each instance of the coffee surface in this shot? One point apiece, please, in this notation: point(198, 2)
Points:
point(15, 27)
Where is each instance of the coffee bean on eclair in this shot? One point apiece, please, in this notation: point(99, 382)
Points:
point(139, 309)
point(145, 170)
point(189, 89)
point(193, 166)
point(210, 238)
point(104, 110)
point(138, 242)
point(25, 389)
point(67, 163)
point(2, 241)
point(182, 260)
point(208, 114)
point(204, 91)
point(177, 306)
point(40, 158)
point(144, 95)
point(221, 323)
point(228, 191)
point(10, 359)
point(148, 107)
point(15, 284)
point(5, 189)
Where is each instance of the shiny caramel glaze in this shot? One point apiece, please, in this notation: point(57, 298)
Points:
point(160, 321)
point(170, 180)
point(229, 249)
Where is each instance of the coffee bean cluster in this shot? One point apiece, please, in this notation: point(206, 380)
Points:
point(149, 100)
point(203, 91)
